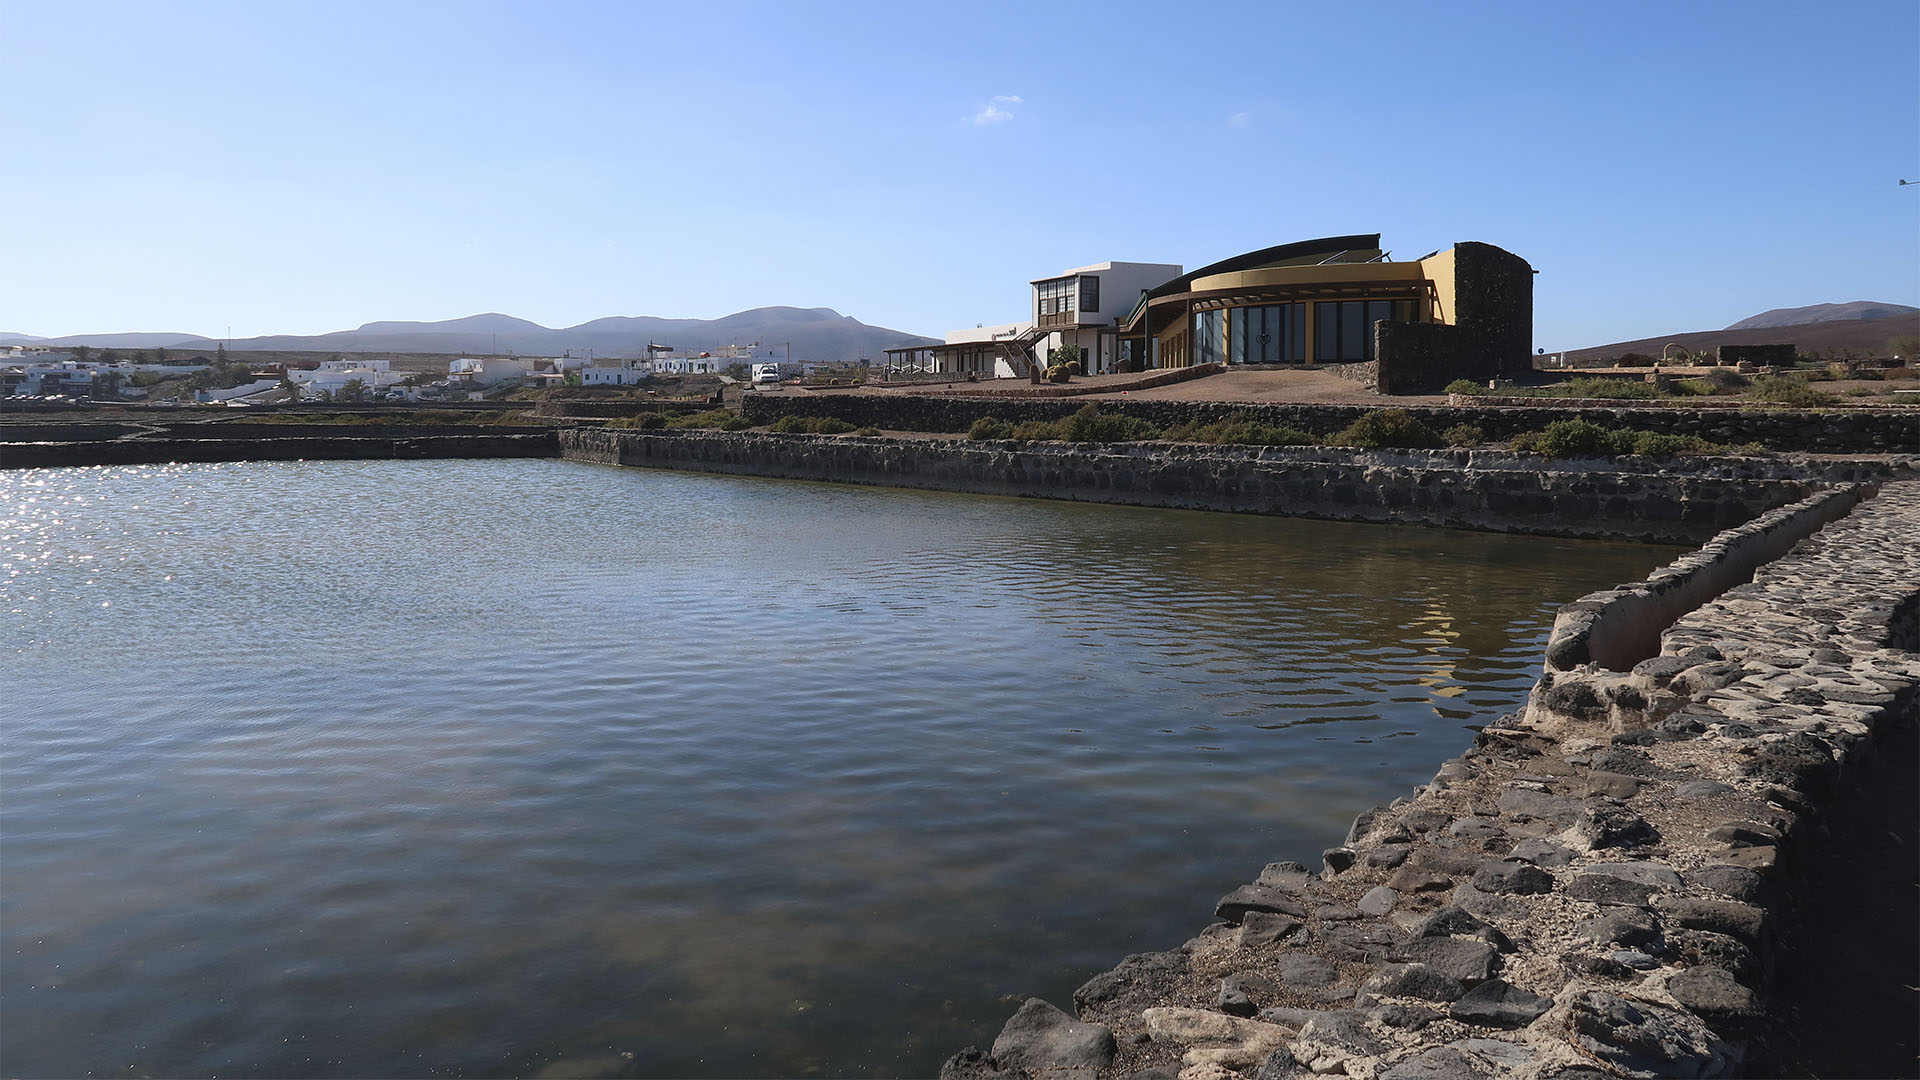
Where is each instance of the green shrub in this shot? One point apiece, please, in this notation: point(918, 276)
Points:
point(739, 423)
point(1465, 386)
point(1464, 435)
point(1089, 424)
point(811, 425)
point(1788, 390)
point(1598, 386)
point(1634, 359)
point(1582, 438)
point(1662, 445)
point(988, 427)
point(1387, 427)
point(869, 432)
point(1575, 437)
point(1240, 429)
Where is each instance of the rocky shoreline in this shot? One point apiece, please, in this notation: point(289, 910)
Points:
point(1594, 890)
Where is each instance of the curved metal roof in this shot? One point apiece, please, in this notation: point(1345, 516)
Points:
point(1253, 260)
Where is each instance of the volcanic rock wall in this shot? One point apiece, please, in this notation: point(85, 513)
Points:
point(1569, 899)
point(1671, 500)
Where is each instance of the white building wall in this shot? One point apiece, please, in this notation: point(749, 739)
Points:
point(612, 376)
point(485, 371)
point(997, 332)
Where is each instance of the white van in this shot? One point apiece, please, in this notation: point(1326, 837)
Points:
point(766, 373)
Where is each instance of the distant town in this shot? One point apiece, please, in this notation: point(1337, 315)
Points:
point(107, 375)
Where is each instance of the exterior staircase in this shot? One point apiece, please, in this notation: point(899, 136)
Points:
point(1018, 352)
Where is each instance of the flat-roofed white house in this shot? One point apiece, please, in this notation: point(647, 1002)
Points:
point(1083, 306)
point(487, 370)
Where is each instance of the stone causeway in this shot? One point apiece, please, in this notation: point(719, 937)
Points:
point(1594, 889)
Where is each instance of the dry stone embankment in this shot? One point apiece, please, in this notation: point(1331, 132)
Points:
point(1584, 894)
point(1675, 500)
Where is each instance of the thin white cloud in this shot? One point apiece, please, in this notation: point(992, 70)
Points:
point(1239, 119)
point(993, 113)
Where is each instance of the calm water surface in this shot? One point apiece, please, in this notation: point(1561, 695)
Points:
point(490, 768)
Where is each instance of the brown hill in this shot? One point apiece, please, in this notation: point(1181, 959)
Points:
point(1861, 338)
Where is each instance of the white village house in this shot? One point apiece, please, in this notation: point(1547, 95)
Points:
point(1083, 306)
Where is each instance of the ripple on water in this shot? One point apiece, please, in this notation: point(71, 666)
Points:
point(362, 768)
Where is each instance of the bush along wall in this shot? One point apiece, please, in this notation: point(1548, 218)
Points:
point(1836, 431)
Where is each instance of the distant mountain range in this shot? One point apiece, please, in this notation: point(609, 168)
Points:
point(1862, 327)
point(1820, 313)
point(820, 335)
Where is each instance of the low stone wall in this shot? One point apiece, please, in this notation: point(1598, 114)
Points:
point(36, 455)
point(615, 408)
point(1839, 431)
point(1672, 500)
point(1565, 900)
point(1142, 381)
point(1620, 627)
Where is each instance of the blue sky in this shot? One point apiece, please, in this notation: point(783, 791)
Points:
point(297, 167)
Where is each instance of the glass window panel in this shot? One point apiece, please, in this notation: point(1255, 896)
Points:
point(1237, 336)
point(1297, 333)
point(1326, 331)
point(1353, 317)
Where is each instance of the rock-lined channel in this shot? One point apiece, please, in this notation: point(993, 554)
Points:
point(1592, 891)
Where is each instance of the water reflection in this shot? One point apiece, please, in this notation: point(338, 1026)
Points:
point(496, 768)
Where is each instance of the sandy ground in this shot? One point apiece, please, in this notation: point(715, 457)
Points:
point(1267, 387)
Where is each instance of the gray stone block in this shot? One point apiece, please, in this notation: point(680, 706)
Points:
point(1496, 1003)
point(1040, 1036)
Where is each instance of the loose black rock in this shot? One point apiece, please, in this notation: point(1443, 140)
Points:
point(1234, 906)
point(1439, 1063)
point(1622, 925)
point(1414, 980)
point(1541, 853)
point(1717, 997)
point(1721, 916)
point(1457, 922)
point(1141, 980)
point(1469, 962)
point(1265, 928)
point(1496, 1003)
point(1512, 877)
point(1705, 948)
point(1304, 969)
point(1040, 1036)
point(1732, 882)
point(1603, 824)
point(1603, 889)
